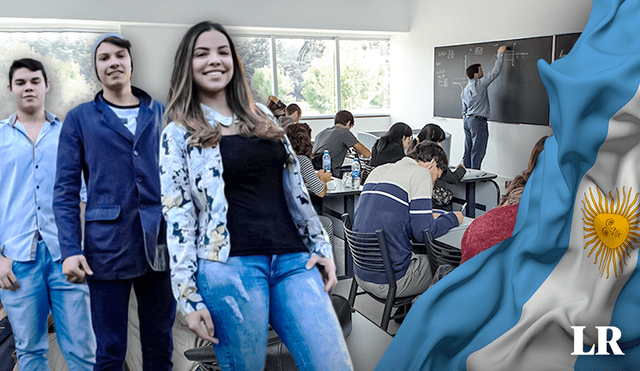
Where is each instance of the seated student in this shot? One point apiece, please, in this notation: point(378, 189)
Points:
point(316, 182)
point(294, 112)
point(497, 224)
point(337, 139)
point(276, 106)
point(441, 196)
point(392, 146)
point(435, 133)
point(397, 198)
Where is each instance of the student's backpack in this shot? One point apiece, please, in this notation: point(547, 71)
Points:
point(7, 343)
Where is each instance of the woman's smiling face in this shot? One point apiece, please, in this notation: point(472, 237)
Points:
point(212, 63)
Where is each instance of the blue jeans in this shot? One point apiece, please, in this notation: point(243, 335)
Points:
point(44, 288)
point(247, 293)
point(476, 136)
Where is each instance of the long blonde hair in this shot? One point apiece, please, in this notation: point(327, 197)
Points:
point(184, 103)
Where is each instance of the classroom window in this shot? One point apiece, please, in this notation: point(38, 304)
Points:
point(364, 75)
point(255, 55)
point(307, 72)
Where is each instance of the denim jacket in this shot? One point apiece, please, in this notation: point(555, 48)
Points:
point(195, 207)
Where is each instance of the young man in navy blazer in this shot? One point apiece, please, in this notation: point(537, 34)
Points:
point(113, 142)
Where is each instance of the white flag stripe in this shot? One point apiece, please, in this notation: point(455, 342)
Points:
point(574, 294)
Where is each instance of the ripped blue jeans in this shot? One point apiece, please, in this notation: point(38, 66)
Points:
point(247, 293)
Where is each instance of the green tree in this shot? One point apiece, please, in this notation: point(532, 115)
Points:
point(69, 85)
point(295, 57)
point(261, 84)
point(255, 56)
point(318, 86)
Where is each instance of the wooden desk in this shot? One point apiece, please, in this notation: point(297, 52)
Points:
point(478, 189)
point(366, 343)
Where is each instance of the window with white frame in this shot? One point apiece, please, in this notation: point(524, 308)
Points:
point(308, 71)
point(364, 76)
point(255, 55)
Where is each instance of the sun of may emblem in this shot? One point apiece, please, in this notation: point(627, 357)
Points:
point(612, 228)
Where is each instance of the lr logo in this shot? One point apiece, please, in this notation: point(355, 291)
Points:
point(578, 336)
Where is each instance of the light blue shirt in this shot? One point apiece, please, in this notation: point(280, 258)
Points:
point(27, 176)
point(129, 116)
point(475, 100)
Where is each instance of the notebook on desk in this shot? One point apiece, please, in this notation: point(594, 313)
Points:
point(474, 173)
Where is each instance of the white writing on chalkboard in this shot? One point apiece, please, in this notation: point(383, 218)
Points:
point(516, 96)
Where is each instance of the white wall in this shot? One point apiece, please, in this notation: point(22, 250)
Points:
point(444, 22)
point(356, 15)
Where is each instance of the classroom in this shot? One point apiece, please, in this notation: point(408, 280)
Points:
point(413, 28)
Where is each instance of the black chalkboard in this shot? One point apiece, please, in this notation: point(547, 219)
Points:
point(516, 96)
point(564, 44)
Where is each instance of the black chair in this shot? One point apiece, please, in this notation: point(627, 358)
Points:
point(370, 253)
point(440, 254)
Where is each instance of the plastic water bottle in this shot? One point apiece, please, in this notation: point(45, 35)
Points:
point(355, 173)
point(326, 161)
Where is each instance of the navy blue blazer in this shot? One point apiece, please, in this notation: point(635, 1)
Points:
point(125, 232)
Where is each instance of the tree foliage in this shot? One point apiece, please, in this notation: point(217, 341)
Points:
point(306, 72)
point(66, 58)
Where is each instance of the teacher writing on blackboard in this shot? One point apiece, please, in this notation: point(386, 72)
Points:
point(475, 111)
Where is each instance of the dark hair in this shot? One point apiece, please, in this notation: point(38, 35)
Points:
point(30, 64)
point(184, 103)
point(396, 133)
point(117, 41)
point(521, 180)
point(342, 117)
point(430, 132)
point(300, 137)
point(427, 151)
point(473, 69)
point(293, 108)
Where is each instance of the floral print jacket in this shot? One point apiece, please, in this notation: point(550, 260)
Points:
point(195, 208)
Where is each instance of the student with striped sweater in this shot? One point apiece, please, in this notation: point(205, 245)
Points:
point(397, 198)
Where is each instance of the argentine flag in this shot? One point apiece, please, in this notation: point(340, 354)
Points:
point(572, 260)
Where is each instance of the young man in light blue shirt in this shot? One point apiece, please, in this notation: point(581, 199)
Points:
point(475, 111)
point(31, 275)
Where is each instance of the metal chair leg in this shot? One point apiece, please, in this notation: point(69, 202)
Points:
point(353, 292)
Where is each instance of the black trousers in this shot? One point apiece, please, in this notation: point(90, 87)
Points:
point(156, 311)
